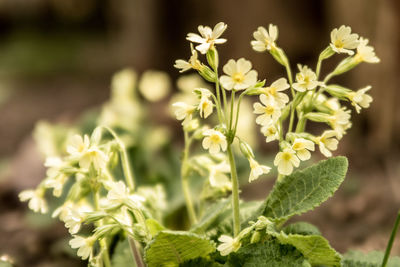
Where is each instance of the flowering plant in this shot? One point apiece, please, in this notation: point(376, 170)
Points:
point(106, 193)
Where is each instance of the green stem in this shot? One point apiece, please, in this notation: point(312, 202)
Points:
point(103, 241)
point(129, 177)
point(235, 192)
point(232, 106)
point(318, 67)
point(237, 111)
point(185, 182)
point(391, 240)
point(292, 108)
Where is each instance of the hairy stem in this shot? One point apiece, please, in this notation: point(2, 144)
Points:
point(103, 241)
point(391, 240)
point(235, 192)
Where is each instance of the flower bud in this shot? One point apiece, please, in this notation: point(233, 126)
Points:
point(255, 237)
point(317, 117)
point(212, 58)
point(191, 125)
point(279, 55)
point(207, 73)
point(327, 53)
point(337, 90)
point(246, 149)
point(345, 65)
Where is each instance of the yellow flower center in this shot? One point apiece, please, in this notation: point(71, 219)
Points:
point(272, 91)
point(297, 146)
point(269, 110)
point(271, 130)
point(204, 105)
point(238, 77)
point(215, 138)
point(286, 156)
point(339, 44)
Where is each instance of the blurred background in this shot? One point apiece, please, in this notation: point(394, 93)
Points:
point(57, 59)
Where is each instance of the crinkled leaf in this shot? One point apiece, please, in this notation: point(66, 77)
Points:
point(304, 190)
point(315, 248)
point(171, 248)
point(201, 262)
point(269, 253)
point(371, 259)
point(301, 228)
point(211, 215)
point(122, 256)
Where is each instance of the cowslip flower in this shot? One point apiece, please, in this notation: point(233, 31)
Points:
point(360, 99)
point(274, 91)
point(206, 105)
point(208, 37)
point(239, 75)
point(265, 40)
point(184, 112)
point(269, 110)
point(218, 177)
point(154, 85)
point(192, 63)
point(327, 142)
point(306, 79)
point(270, 131)
point(37, 203)
point(342, 40)
point(94, 156)
point(77, 145)
point(228, 245)
point(119, 194)
point(303, 147)
point(366, 53)
point(285, 160)
point(257, 169)
point(214, 141)
point(340, 121)
point(84, 246)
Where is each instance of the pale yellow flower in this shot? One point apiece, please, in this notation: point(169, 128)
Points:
point(269, 110)
point(218, 177)
point(360, 99)
point(192, 63)
point(342, 40)
point(306, 79)
point(77, 145)
point(303, 147)
point(270, 131)
point(37, 203)
point(184, 112)
point(285, 160)
point(154, 85)
point(257, 169)
point(84, 246)
point(340, 121)
point(239, 75)
point(206, 105)
point(327, 142)
point(265, 40)
point(228, 245)
point(366, 53)
point(208, 37)
point(214, 141)
point(274, 91)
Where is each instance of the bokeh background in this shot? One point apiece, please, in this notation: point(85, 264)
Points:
point(57, 58)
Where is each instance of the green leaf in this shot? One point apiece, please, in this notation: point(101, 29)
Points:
point(304, 190)
point(211, 215)
point(371, 259)
point(154, 226)
point(122, 256)
point(301, 228)
point(270, 253)
point(201, 262)
point(171, 248)
point(315, 248)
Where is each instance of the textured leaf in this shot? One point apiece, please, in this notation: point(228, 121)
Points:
point(371, 259)
point(171, 248)
point(211, 215)
point(304, 190)
point(122, 256)
point(301, 228)
point(270, 253)
point(201, 262)
point(315, 248)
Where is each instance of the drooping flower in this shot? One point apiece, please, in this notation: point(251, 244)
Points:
point(265, 40)
point(274, 91)
point(360, 99)
point(208, 37)
point(214, 141)
point(303, 147)
point(257, 169)
point(269, 110)
point(239, 75)
point(340, 121)
point(366, 53)
point(342, 40)
point(228, 245)
point(37, 203)
point(327, 142)
point(206, 105)
point(285, 160)
point(192, 63)
point(84, 246)
point(184, 112)
point(270, 131)
point(306, 79)
point(119, 194)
